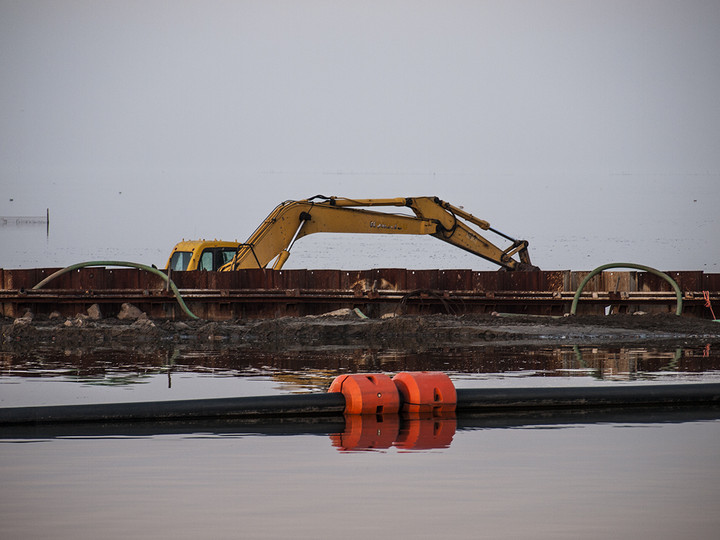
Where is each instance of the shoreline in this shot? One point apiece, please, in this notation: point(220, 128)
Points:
point(346, 329)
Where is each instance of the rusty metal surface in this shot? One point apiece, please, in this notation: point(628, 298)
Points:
point(422, 279)
point(711, 282)
point(257, 293)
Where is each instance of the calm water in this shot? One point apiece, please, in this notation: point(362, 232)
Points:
point(612, 480)
point(68, 376)
point(556, 476)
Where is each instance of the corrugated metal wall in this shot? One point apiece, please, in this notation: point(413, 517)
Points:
point(271, 293)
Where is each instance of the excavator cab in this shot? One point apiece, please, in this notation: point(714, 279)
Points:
point(201, 255)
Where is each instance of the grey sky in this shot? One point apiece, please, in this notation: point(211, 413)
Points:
point(576, 119)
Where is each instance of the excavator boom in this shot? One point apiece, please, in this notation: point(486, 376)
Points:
point(291, 220)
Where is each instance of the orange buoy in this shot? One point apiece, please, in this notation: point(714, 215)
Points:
point(426, 392)
point(367, 393)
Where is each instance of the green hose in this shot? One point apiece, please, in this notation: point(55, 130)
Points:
point(150, 269)
point(599, 269)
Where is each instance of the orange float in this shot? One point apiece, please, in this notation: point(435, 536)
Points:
point(426, 392)
point(367, 393)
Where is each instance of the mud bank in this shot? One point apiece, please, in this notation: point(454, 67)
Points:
point(348, 329)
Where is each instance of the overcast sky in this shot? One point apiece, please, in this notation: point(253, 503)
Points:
point(557, 121)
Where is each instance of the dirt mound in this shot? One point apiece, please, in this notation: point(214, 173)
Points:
point(30, 332)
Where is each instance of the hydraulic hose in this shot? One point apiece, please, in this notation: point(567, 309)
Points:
point(150, 269)
point(678, 292)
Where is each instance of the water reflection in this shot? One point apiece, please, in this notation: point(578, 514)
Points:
point(372, 432)
point(315, 369)
point(357, 433)
point(57, 376)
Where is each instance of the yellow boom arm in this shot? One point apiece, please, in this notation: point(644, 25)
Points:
point(292, 220)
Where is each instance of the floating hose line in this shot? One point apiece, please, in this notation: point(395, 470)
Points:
point(678, 292)
point(495, 401)
point(252, 407)
point(150, 269)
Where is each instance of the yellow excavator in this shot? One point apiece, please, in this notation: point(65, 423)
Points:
point(291, 220)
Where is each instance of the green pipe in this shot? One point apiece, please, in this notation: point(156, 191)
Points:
point(599, 269)
point(150, 269)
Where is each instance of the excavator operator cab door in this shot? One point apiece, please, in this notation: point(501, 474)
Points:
point(211, 259)
point(206, 260)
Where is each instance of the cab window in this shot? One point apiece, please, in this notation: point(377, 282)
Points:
point(180, 260)
point(227, 255)
point(206, 260)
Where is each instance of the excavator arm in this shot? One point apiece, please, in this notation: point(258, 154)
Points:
point(291, 220)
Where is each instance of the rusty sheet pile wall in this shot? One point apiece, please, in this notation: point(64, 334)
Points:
point(256, 293)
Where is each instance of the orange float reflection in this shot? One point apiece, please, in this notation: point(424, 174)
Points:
point(379, 432)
